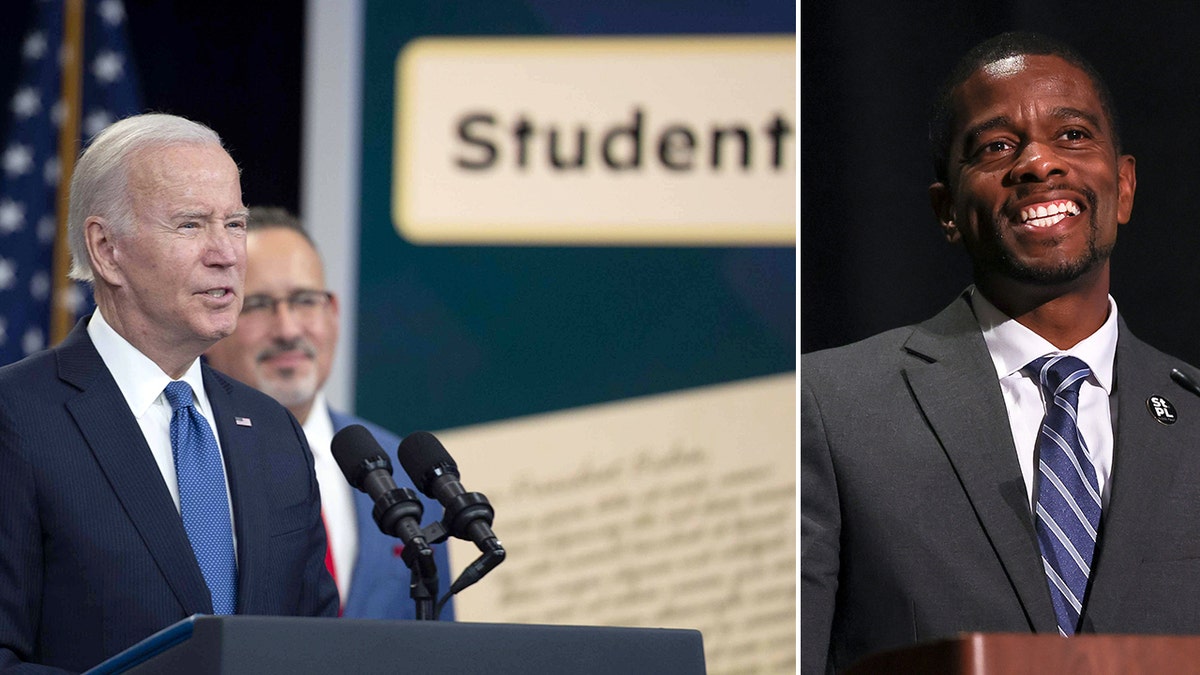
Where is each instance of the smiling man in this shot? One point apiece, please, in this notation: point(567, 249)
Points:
point(284, 346)
point(1020, 462)
point(138, 486)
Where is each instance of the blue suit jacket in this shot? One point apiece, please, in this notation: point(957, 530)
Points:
point(379, 587)
point(93, 554)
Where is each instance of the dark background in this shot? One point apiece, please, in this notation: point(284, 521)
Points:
point(872, 256)
point(236, 66)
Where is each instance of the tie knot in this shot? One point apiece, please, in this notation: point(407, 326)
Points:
point(179, 394)
point(1058, 373)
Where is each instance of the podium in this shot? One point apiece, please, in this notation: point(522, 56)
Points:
point(1026, 653)
point(267, 645)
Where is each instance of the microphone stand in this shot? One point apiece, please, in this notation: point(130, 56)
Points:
point(398, 512)
point(423, 583)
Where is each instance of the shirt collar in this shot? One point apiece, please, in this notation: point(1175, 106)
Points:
point(319, 425)
point(140, 380)
point(1012, 345)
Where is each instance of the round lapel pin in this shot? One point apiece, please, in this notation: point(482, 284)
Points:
point(1162, 410)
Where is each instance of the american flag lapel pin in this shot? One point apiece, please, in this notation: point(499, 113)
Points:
point(242, 421)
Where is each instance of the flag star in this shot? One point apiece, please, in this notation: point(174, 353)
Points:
point(39, 285)
point(71, 298)
point(12, 216)
point(8, 274)
point(34, 46)
point(50, 171)
point(96, 121)
point(47, 227)
point(33, 340)
point(112, 11)
point(108, 66)
point(18, 159)
point(26, 103)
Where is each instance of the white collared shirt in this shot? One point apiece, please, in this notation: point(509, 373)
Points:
point(142, 382)
point(337, 497)
point(1012, 346)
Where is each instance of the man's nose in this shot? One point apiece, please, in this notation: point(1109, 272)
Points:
point(285, 321)
point(222, 246)
point(1036, 162)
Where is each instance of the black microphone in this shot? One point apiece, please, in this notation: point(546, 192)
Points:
point(1181, 378)
point(397, 510)
point(468, 515)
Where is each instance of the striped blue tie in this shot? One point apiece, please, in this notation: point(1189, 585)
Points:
point(1068, 497)
point(203, 501)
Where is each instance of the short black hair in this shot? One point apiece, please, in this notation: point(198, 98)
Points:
point(1003, 46)
point(272, 217)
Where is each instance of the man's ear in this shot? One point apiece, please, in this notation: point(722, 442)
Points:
point(943, 206)
point(102, 250)
point(333, 305)
point(1126, 187)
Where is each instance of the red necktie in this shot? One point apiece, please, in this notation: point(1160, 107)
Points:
point(329, 564)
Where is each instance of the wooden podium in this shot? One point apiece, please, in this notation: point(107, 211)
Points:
point(1029, 654)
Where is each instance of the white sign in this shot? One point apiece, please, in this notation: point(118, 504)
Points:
point(596, 141)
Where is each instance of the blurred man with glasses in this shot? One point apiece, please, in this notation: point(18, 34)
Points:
point(284, 346)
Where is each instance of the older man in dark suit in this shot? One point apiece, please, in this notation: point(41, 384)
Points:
point(1020, 462)
point(137, 485)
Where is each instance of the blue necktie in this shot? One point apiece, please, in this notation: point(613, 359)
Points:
point(1068, 502)
point(203, 502)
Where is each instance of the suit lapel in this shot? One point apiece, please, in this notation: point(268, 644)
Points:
point(246, 482)
point(120, 449)
point(1145, 455)
point(953, 381)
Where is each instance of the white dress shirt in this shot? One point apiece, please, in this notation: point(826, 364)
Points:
point(1012, 346)
point(142, 382)
point(337, 496)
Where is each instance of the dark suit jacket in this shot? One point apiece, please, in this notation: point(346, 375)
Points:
point(915, 521)
point(379, 587)
point(93, 554)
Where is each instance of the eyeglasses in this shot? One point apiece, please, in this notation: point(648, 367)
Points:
point(304, 303)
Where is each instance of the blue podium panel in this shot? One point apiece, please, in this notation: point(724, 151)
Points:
point(263, 645)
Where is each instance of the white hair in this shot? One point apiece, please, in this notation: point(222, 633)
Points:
point(99, 184)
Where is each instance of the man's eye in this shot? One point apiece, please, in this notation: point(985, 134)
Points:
point(303, 300)
point(256, 303)
point(1075, 134)
point(996, 146)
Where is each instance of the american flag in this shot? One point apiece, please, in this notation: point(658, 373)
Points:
point(31, 175)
